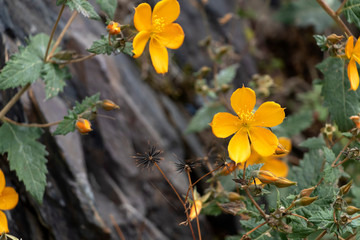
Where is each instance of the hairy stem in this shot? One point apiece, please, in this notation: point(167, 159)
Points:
point(13, 100)
point(39, 125)
point(255, 204)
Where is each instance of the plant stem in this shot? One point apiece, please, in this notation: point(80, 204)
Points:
point(79, 59)
point(177, 194)
point(39, 125)
point(196, 212)
point(343, 161)
point(321, 235)
point(296, 215)
point(334, 16)
point(341, 152)
point(252, 230)
point(358, 216)
point(53, 32)
point(217, 168)
point(117, 228)
point(255, 204)
point(340, 8)
point(58, 40)
point(13, 100)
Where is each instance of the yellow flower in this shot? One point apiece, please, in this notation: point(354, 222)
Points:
point(248, 125)
point(83, 125)
point(8, 200)
point(353, 54)
point(113, 28)
point(158, 26)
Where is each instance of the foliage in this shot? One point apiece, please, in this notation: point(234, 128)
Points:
point(108, 6)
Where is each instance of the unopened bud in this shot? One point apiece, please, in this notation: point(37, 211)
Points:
point(233, 196)
point(306, 192)
point(83, 126)
point(356, 120)
point(193, 213)
point(280, 150)
point(109, 105)
point(334, 39)
point(352, 210)
point(266, 176)
point(305, 201)
point(282, 182)
point(113, 28)
point(346, 188)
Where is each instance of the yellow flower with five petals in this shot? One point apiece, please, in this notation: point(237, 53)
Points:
point(248, 126)
point(8, 200)
point(158, 26)
point(353, 54)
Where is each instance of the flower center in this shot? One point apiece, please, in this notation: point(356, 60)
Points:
point(158, 24)
point(246, 118)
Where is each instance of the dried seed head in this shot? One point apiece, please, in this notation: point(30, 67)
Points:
point(183, 165)
point(149, 158)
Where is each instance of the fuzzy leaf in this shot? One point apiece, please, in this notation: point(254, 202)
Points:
point(313, 143)
point(227, 75)
point(83, 7)
point(108, 6)
point(323, 219)
point(101, 46)
point(38, 44)
point(352, 12)
point(68, 124)
point(26, 156)
point(340, 100)
point(54, 78)
point(128, 49)
point(203, 117)
point(321, 41)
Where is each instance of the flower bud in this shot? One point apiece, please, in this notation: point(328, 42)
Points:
point(109, 105)
point(266, 176)
point(334, 39)
point(346, 188)
point(233, 196)
point(356, 120)
point(352, 210)
point(306, 192)
point(113, 28)
point(282, 182)
point(305, 201)
point(83, 126)
point(194, 214)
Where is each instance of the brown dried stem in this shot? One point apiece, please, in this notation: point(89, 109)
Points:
point(322, 234)
point(252, 230)
point(255, 204)
point(192, 193)
point(117, 228)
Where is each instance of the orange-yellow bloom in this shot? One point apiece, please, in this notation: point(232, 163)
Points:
point(8, 200)
point(83, 125)
point(158, 26)
point(113, 28)
point(248, 125)
point(353, 54)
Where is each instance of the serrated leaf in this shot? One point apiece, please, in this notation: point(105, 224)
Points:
point(38, 44)
point(68, 124)
point(128, 49)
point(203, 117)
point(26, 156)
point(323, 219)
point(330, 174)
point(83, 7)
point(101, 46)
point(321, 41)
point(313, 143)
point(341, 102)
point(352, 12)
point(54, 78)
point(227, 75)
point(108, 6)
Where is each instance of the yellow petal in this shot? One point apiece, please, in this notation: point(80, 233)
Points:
point(159, 56)
point(2, 181)
point(263, 141)
point(356, 49)
point(254, 158)
point(142, 17)
point(140, 42)
point(172, 36)
point(353, 74)
point(243, 100)
point(276, 166)
point(349, 47)
point(239, 147)
point(225, 124)
point(8, 199)
point(269, 114)
point(3, 223)
point(166, 11)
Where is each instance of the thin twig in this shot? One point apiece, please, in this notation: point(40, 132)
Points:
point(252, 230)
point(13, 100)
point(255, 204)
point(338, 11)
point(58, 40)
point(296, 215)
point(196, 212)
point(79, 59)
point(343, 161)
point(53, 32)
point(39, 125)
point(178, 196)
point(117, 228)
point(334, 16)
point(321, 235)
point(358, 216)
point(342, 151)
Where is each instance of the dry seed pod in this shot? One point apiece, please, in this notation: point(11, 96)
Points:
point(352, 210)
point(305, 201)
point(282, 182)
point(306, 192)
point(346, 188)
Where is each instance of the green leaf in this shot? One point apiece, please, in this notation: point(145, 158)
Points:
point(128, 49)
point(294, 124)
point(38, 44)
point(108, 6)
point(26, 156)
point(313, 143)
point(261, 233)
point(101, 46)
point(323, 219)
point(68, 124)
point(60, 2)
point(321, 41)
point(227, 75)
point(54, 78)
point(352, 12)
point(204, 116)
point(341, 102)
point(330, 174)
point(83, 7)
